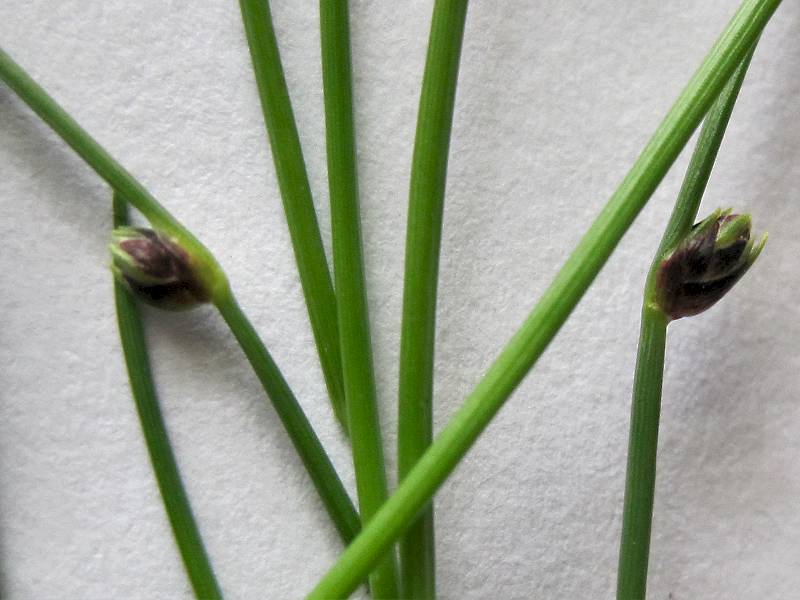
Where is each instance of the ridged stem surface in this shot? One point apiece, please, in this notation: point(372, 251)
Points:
point(423, 242)
point(637, 516)
point(298, 205)
point(348, 267)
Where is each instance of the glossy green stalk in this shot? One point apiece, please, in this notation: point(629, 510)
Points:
point(298, 205)
point(569, 285)
point(176, 503)
point(423, 242)
point(640, 482)
point(348, 267)
point(305, 440)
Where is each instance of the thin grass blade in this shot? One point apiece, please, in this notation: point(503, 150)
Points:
point(423, 242)
point(348, 263)
point(312, 266)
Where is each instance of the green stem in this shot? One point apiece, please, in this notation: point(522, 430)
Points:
point(324, 476)
point(108, 168)
point(640, 479)
point(176, 503)
point(553, 308)
point(298, 205)
point(348, 262)
point(423, 242)
point(699, 170)
point(294, 420)
point(637, 516)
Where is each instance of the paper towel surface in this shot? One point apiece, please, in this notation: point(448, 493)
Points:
point(555, 101)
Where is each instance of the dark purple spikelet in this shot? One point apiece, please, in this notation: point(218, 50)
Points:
point(157, 256)
point(706, 264)
point(156, 269)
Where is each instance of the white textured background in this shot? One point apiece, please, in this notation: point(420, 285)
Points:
point(555, 100)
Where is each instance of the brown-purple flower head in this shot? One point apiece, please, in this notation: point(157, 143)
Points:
point(156, 269)
point(706, 264)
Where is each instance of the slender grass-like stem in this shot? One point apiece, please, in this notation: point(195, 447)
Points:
point(348, 267)
point(423, 242)
point(569, 285)
point(298, 205)
point(176, 503)
point(108, 168)
point(699, 170)
point(646, 406)
point(643, 445)
point(305, 440)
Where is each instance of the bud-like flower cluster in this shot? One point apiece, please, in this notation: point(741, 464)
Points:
point(706, 264)
point(156, 269)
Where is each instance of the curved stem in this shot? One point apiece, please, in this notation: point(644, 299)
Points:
point(574, 278)
point(423, 241)
point(348, 262)
point(637, 515)
point(173, 494)
point(306, 442)
point(312, 266)
point(317, 462)
point(108, 168)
